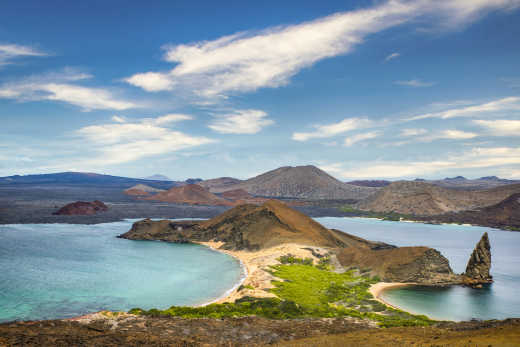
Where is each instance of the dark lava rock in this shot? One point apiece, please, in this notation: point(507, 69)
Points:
point(477, 270)
point(82, 208)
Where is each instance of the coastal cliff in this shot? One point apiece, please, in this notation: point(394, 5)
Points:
point(253, 228)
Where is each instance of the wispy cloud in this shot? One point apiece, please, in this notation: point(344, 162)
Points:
point(509, 103)
point(349, 141)
point(246, 61)
point(501, 127)
point(475, 158)
point(241, 122)
point(416, 83)
point(392, 56)
point(58, 87)
point(413, 132)
point(423, 135)
point(9, 52)
point(330, 130)
point(128, 141)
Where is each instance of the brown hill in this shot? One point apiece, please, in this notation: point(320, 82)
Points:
point(218, 185)
point(420, 198)
point(192, 194)
point(82, 208)
point(504, 215)
point(142, 189)
point(236, 194)
point(306, 182)
point(246, 226)
point(254, 228)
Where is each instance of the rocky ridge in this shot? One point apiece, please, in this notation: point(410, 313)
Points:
point(82, 208)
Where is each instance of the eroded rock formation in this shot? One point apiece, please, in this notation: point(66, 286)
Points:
point(479, 264)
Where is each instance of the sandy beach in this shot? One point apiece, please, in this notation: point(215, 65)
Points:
point(258, 281)
point(378, 288)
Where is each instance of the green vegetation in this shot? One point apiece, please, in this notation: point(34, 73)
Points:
point(305, 290)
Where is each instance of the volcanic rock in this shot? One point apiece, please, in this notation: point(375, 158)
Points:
point(253, 228)
point(479, 264)
point(82, 208)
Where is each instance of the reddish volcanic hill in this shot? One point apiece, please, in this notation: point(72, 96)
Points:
point(192, 194)
point(237, 194)
point(82, 208)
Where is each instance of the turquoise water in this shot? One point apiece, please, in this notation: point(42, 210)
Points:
point(456, 242)
point(53, 271)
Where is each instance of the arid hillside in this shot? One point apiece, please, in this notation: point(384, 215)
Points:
point(192, 194)
point(304, 182)
point(424, 199)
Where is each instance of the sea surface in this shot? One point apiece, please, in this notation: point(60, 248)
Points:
point(456, 242)
point(51, 271)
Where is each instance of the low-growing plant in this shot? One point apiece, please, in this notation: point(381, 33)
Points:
point(304, 290)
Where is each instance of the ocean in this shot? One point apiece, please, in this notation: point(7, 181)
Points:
point(52, 271)
point(456, 242)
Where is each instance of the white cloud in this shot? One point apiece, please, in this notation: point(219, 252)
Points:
point(392, 56)
point(241, 122)
point(329, 130)
point(473, 159)
point(349, 141)
point(172, 117)
point(151, 81)
point(125, 142)
point(451, 134)
point(8, 52)
point(57, 87)
point(421, 135)
point(509, 103)
point(501, 127)
point(413, 132)
point(246, 61)
point(119, 119)
point(416, 83)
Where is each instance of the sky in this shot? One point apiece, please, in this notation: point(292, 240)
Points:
point(394, 89)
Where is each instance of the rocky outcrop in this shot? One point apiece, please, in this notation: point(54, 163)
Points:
point(479, 264)
point(82, 208)
point(422, 265)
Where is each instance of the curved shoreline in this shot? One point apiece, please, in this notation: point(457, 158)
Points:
point(229, 292)
point(377, 289)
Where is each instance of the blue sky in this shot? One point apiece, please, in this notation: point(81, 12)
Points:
point(366, 89)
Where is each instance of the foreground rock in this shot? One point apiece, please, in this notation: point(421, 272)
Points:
point(82, 208)
point(128, 330)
